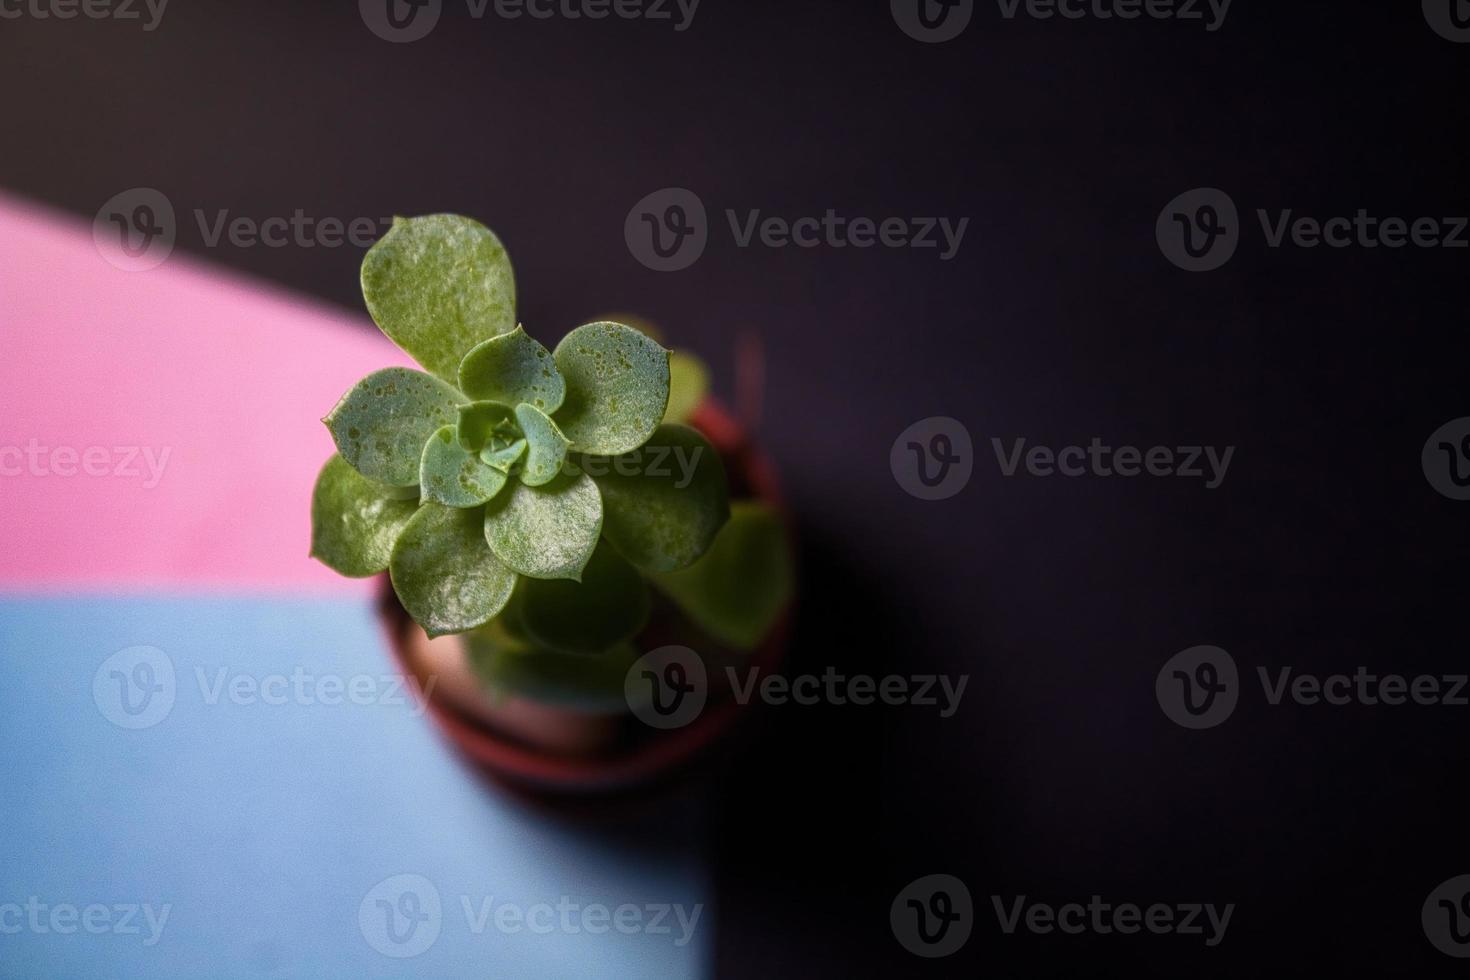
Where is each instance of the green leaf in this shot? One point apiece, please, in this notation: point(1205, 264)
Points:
point(503, 454)
point(617, 387)
point(479, 421)
point(381, 425)
point(438, 285)
point(688, 386)
point(664, 502)
point(507, 666)
point(741, 585)
point(548, 447)
point(451, 475)
point(355, 521)
point(511, 369)
point(444, 572)
point(609, 605)
point(546, 532)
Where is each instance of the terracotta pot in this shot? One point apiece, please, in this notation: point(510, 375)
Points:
point(555, 749)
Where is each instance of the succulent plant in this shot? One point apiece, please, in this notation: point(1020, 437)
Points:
point(526, 495)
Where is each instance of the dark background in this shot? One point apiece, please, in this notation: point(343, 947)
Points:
point(1058, 321)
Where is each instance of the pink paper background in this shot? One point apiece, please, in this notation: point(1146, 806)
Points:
point(231, 376)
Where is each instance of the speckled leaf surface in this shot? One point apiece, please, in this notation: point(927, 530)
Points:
point(546, 446)
point(738, 589)
point(664, 504)
point(437, 286)
point(610, 605)
point(617, 387)
point(444, 572)
point(546, 532)
point(381, 424)
point(511, 369)
point(355, 521)
point(451, 475)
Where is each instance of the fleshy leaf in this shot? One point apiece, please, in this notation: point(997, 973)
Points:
point(509, 666)
point(547, 446)
point(451, 475)
point(741, 585)
point(355, 521)
point(665, 502)
point(437, 286)
point(546, 532)
point(617, 387)
point(608, 606)
point(511, 369)
point(688, 385)
point(381, 425)
point(444, 572)
point(479, 421)
point(503, 454)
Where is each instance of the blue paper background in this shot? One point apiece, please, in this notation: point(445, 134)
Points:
point(264, 826)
